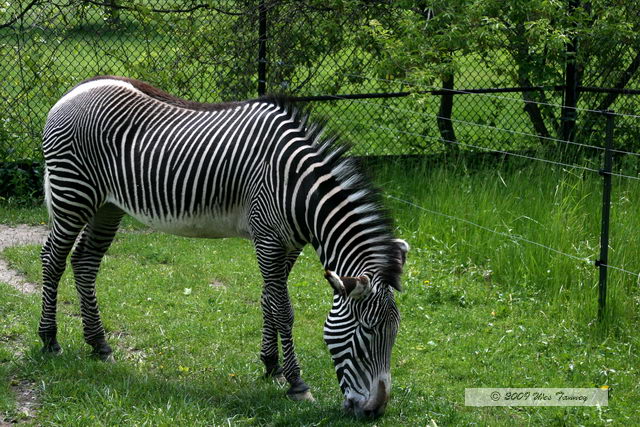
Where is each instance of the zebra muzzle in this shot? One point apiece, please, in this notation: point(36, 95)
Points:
point(374, 407)
point(377, 403)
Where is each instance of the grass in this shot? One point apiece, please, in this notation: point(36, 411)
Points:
point(553, 206)
point(478, 310)
point(16, 213)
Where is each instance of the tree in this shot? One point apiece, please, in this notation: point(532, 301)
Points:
point(421, 40)
point(545, 40)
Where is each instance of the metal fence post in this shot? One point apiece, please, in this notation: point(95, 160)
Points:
point(262, 49)
point(605, 172)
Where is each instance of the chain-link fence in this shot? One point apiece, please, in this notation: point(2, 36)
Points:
point(210, 51)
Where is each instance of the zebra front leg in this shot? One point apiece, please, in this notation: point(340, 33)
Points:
point(86, 258)
point(275, 264)
point(269, 348)
point(276, 299)
point(54, 260)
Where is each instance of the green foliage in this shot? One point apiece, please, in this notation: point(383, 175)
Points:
point(7, 140)
point(329, 47)
point(521, 43)
point(21, 182)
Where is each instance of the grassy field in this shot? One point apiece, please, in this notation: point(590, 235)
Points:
point(479, 310)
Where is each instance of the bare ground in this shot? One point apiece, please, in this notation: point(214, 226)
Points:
point(16, 236)
point(26, 399)
point(26, 404)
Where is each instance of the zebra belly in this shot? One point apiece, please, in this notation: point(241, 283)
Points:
point(226, 224)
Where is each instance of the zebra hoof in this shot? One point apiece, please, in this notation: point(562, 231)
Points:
point(300, 391)
point(305, 396)
point(108, 358)
point(50, 343)
point(103, 351)
point(53, 348)
point(104, 356)
point(276, 375)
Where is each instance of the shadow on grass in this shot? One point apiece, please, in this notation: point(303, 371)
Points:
point(75, 386)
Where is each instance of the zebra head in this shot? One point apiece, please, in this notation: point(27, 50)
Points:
point(360, 331)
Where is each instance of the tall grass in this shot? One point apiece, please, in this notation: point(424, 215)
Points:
point(524, 225)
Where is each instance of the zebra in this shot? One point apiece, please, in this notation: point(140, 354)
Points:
point(257, 169)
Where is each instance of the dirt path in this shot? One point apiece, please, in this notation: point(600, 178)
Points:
point(26, 399)
point(26, 404)
point(16, 236)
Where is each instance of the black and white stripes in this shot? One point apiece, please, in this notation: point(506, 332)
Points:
point(255, 169)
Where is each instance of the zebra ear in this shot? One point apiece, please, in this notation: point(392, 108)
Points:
point(357, 287)
point(400, 257)
point(402, 248)
point(335, 282)
point(354, 287)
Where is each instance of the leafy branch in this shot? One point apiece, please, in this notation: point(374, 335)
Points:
point(20, 15)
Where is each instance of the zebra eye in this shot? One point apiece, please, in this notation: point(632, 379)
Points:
point(367, 327)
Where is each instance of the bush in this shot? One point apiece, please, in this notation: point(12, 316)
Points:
point(21, 181)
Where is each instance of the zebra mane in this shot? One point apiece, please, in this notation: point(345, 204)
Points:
point(160, 95)
point(350, 174)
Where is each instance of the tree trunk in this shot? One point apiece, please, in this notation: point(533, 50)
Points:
point(621, 83)
point(445, 125)
point(569, 112)
point(520, 51)
point(112, 12)
point(533, 111)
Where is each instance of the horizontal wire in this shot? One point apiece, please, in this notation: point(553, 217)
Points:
point(620, 175)
point(510, 236)
point(500, 233)
point(630, 153)
point(489, 95)
point(475, 146)
point(513, 132)
point(462, 91)
point(489, 149)
point(622, 270)
point(509, 153)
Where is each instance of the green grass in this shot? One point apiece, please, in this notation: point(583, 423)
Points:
point(478, 310)
point(552, 206)
point(15, 213)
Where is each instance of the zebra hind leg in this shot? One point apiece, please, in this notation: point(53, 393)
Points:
point(86, 258)
point(54, 260)
point(275, 265)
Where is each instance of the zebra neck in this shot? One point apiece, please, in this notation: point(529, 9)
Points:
point(349, 234)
